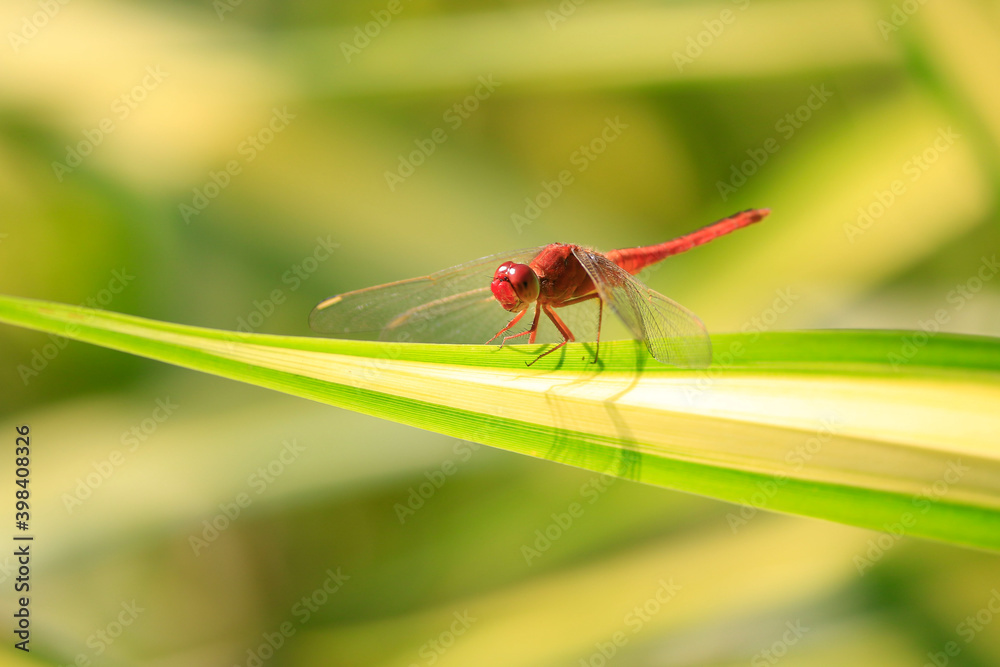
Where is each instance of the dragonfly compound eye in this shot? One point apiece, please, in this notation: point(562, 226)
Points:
point(524, 281)
point(501, 271)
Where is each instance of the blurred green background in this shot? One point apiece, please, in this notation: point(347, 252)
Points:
point(225, 164)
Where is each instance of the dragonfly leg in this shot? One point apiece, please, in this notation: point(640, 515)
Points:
point(527, 332)
point(600, 315)
point(517, 318)
point(563, 329)
point(534, 324)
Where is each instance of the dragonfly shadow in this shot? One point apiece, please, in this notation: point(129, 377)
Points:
point(574, 447)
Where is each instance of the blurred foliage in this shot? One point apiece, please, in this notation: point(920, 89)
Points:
point(323, 176)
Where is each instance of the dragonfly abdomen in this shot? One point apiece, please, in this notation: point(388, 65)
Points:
point(634, 260)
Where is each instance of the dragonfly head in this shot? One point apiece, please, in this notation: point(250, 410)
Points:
point(515, 286)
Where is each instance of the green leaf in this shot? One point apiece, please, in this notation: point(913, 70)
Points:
point(886, 430)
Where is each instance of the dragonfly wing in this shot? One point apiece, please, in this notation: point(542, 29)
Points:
point(677, 336)
point(451, 306)
point(468, 317)
point(672, 333)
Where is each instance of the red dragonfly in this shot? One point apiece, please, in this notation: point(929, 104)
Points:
point(461, 305)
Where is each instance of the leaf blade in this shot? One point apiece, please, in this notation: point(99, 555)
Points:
point(820, 424)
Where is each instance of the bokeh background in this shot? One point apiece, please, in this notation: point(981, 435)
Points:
point(225, 164)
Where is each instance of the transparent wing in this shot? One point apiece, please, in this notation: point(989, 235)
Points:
point(451, 306)
point(672, 333)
